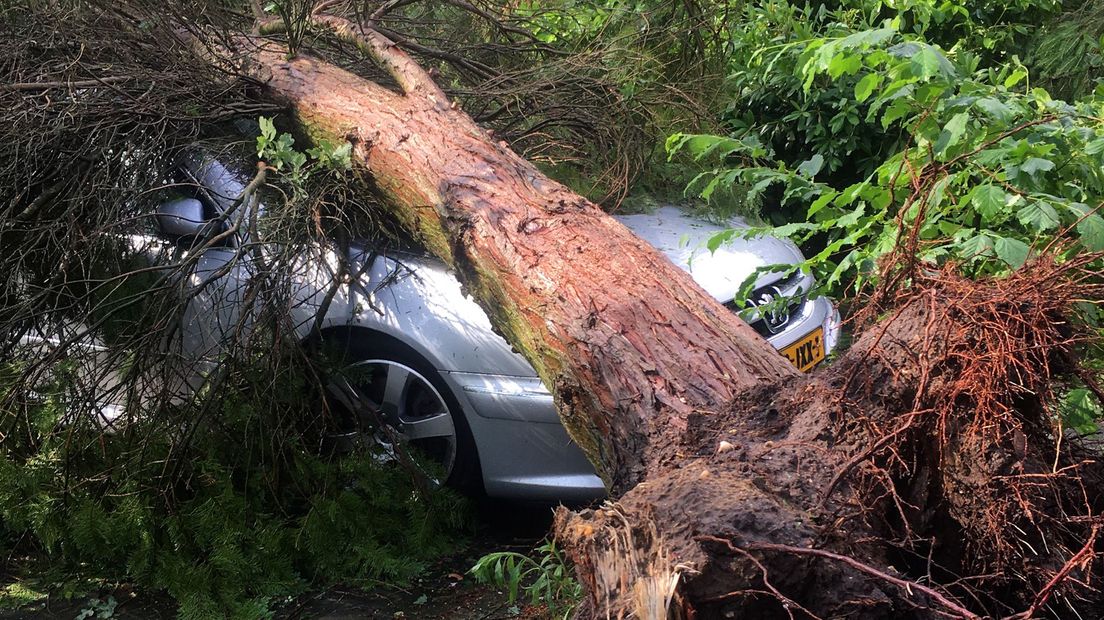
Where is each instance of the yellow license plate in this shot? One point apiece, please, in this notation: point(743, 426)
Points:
point(808, 351)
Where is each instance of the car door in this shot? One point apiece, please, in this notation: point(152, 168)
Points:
point(199, 236)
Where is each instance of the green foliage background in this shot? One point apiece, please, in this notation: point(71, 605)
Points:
point(917, 127)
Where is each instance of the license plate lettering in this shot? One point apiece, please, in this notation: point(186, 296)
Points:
point(807, 352)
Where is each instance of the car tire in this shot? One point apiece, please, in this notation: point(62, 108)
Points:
point(410, 394)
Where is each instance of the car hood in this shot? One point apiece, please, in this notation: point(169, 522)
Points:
point(682, 238)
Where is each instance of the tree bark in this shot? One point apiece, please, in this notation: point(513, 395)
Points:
point(743, 488)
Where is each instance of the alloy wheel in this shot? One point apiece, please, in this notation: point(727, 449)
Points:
point(392, 402)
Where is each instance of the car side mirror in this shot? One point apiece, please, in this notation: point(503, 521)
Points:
point(182, 219)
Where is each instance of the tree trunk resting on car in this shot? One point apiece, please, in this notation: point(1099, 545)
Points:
point(878, 487)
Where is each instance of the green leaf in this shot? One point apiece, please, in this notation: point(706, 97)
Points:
point(952, 132)
point(845, 265)
point(844, 63)
point(284, 142)
point(702, 146)
point(1015, 78)
point(720, 239)
point(811, 167)
point(926, 64)
point(995, 109)
point(1091, 230)
point(1038, 216)
point(1034, 165)
point(724, 179)
point(866, 86)
point(850, 219)
point(296, 159)
point(878, 197)
point(1080, 411)
point(343, 154)
point(821, 202)
point(991, 202)
point(936, 196)
point(976, 246)
point(948, 229)
point(867, 38)
point(848, 195)
point(760, 186)
point(785, 230)
point(1095, 147)
point(514, 576)
point(268, 128)
point(267, 137)
point(897, 110)
point(1011, 251)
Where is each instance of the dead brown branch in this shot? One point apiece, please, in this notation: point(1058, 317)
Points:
point(36, 86)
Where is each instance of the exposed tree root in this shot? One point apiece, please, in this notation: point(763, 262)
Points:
point(923, 474)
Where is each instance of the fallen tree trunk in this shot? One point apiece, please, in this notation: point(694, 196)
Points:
point(742, 488)
point(856, 491)
point(629, 344)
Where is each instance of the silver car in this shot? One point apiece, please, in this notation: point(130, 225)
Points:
point(423, 354)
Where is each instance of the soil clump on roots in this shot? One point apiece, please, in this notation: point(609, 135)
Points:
point(923, 474)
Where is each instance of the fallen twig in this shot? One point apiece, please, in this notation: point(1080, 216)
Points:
point(33, 86)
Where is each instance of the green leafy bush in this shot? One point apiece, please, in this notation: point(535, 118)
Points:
point(990, 169)
point(225, 504)
point(909, 127)
point(794, 114)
